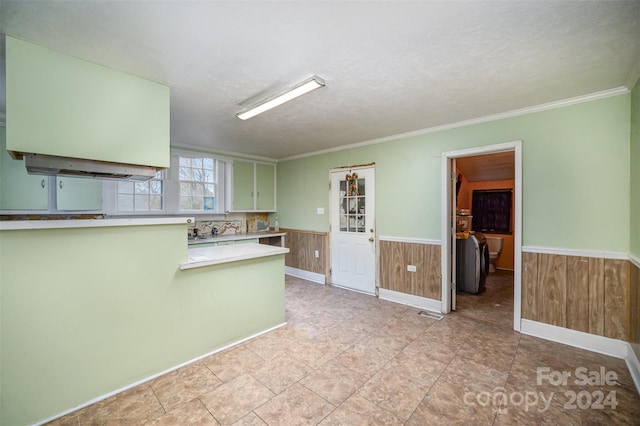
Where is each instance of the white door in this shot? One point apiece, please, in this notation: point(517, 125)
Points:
point(353, 244)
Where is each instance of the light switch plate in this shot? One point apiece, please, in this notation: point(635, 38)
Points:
point(411, 268)
point(320, 210)
point(317, 253)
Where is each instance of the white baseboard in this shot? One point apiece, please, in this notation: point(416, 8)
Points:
point(635, 260)
point(169, 370)
point(305, 275)
point(410, 300)
point(633, 364)
point(591, 342)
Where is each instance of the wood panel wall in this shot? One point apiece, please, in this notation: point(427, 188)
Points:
point(302, 246)
point(635, 309)
point(581, 293)
point(394, 258)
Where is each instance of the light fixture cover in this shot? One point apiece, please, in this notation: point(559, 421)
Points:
point(299, 89)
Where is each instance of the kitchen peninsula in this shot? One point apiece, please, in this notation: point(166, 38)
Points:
point(91, 307)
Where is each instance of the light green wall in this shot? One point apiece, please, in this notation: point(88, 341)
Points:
point(66, 106)
point(575, 177)
point(635, 171)
point(87, 311)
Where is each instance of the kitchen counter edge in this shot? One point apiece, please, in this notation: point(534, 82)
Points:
point(207, 256)
point(11, 225)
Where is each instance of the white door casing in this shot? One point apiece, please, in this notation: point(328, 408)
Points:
point(447, 214)
point(353, 245)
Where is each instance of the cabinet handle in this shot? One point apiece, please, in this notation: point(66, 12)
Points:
point(60, 184)
point(42, 184)
point(252, 193)
point(258, 193)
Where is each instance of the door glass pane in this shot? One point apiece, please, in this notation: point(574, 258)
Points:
point(352, 201)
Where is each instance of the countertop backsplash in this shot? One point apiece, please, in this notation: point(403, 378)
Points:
point(233, 223)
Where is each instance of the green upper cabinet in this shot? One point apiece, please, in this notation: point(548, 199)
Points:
point(243, 186)
point(78, 193)
point(253, 186)
point(19, 190)
point(65, 106)
point(265, 186)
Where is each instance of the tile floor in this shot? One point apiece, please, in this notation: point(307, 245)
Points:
point(349, 359)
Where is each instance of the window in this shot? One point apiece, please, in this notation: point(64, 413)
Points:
point(197, 181)
point(491, 210)
point(141, 196)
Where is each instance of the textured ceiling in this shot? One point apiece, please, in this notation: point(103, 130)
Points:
point(389, 67)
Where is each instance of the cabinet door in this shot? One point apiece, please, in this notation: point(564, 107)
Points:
point(78, 194)
point(18, 189)
point(265, 182)
point(243, 186)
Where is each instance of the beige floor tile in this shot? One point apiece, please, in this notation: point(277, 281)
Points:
point(184, 384)
point(438, 349)
point(417, 367)
point(232, 363)
point(394, 393)
point(317, 351)
point(270, 346)
point(359, 411)
point(363, 359)
point(334, 382)
point(188, 413)
point(451, 403)
point(134, 406)
point(474, 375)
point(235, 399)
point(281, 372)
point(250, 419)
point(295, 406)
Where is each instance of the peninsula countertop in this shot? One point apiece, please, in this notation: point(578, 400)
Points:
point(206, 256)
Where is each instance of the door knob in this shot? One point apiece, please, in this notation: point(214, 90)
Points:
point(371, 239)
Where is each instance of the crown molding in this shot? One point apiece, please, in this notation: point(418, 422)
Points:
point(227, 153)
point(494, 117)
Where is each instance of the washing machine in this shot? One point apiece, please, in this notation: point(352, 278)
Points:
point(472, 263)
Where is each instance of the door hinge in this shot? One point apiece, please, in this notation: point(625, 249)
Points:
point(329, 228)
point(329, 185)
point(453, 176)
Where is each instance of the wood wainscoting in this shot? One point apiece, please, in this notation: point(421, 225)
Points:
point(635, 307)
point(586, 294)
point(302, 246)
point(394, 258)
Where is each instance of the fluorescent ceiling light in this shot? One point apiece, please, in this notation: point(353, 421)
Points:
point(300, 89)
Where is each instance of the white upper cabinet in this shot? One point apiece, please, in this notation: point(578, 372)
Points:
point(253, 187)
point(64, 106)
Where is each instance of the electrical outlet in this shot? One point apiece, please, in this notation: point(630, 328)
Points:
point(320, 210)
point(411, 268)
point(317, 253)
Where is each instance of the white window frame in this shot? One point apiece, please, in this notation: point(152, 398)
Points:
point(173, 188)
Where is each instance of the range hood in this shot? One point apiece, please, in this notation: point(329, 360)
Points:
point(78, 167)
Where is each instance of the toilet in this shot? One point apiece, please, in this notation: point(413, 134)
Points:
point(495, 248)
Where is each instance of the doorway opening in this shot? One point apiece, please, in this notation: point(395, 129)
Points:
point(481, 205)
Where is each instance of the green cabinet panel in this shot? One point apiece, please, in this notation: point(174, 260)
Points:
point(18, 189)
point(78, 194)
point(253, 187)
point(265, 183)
point(66, 106)
point(243, 182)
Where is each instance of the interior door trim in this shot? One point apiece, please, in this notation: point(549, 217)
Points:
point(515, 146)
